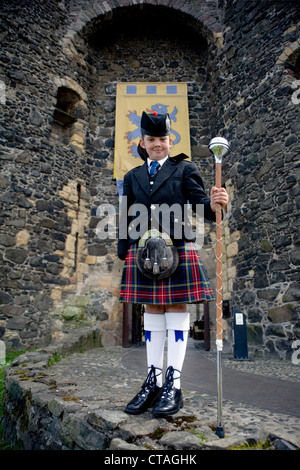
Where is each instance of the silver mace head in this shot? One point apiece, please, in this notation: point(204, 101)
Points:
point(219, 147)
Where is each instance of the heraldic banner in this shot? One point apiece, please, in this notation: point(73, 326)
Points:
point(132, 100)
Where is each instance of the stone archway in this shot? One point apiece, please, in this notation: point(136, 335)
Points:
point(69, 117)
point(204, 16)
point(131, 44)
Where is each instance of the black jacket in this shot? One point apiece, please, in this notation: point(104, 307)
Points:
point(178, 182)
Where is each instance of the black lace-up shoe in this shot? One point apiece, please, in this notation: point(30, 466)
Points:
point(170, 400)
point(146, 397)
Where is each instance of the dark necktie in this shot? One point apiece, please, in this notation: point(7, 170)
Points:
point(154, 168)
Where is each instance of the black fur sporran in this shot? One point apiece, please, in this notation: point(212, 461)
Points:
point(157, 260)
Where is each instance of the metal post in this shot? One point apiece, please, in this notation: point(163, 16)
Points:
point(206, 327)
point(220, 428)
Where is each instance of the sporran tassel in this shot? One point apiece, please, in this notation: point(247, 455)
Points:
point(164, 262)
point(147, 264)
point(155, 266)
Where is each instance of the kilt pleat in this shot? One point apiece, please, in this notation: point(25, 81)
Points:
point(188, 284)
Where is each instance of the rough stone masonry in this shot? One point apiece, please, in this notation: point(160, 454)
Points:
point(60, 62)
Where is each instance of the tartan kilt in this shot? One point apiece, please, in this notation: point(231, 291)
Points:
point(188, 284)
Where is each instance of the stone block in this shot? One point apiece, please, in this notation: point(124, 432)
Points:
point(82, 268)
point(282, 313)
point(97, 250)
point(138, 427)
point(226, 443)
point(182, 440)
point(231, 272)
point(255, 334)
point(82, 433)
point(275, 330)
point(71, 312)
point(7, 240)
point(104, 281)
point(120, 444)
point(56, 294)
point(295, 255)
point(77, 140)
point(16, 255)
point(70, 243)
point(107, 419)
point(232, 249)
point(5, 298)
point(292, 293)
point(16, 323)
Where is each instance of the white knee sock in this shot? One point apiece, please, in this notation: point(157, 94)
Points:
point(178, 325)
point(155, 335)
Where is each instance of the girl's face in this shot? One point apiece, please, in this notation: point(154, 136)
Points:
point(156, 147)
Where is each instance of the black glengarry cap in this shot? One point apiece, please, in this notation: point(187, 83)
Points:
point(156, 125)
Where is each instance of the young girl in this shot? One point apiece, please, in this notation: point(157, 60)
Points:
point(175, 181)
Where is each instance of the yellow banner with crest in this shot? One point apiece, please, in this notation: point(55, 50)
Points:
point(132, 100)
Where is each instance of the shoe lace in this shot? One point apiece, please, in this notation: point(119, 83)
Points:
point(169, 382)
point(151, 378)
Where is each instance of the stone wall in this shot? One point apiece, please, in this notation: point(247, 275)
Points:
point(48, 187)
point(260, 117)
point(56, 273)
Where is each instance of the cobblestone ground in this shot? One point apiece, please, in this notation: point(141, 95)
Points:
point(99, 380)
